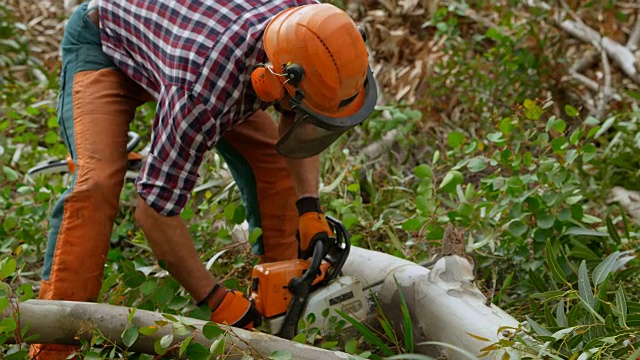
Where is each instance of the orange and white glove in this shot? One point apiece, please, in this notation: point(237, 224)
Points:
point(312, 226)
point(232, 308)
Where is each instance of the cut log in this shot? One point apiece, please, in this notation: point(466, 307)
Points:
point(65, 322)
point(444, 303)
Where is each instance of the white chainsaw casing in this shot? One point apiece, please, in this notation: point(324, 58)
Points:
point(344, 293)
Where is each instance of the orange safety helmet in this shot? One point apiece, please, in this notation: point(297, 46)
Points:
point(319, 68)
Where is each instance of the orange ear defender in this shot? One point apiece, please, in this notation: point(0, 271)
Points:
point(266, 84)
point(269, 85)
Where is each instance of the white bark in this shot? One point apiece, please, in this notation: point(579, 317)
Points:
point(444, 303)
point(61, 322)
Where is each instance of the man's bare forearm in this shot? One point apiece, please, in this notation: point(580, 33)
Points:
point(171, 242)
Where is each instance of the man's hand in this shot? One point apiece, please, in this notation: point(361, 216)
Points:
point(233, 309)
point(312, 226)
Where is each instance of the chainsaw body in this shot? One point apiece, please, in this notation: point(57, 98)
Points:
point(286, 291)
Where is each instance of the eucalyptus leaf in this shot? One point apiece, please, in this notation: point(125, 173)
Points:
point(556, 270)
point(584, 285)
point(603, 269)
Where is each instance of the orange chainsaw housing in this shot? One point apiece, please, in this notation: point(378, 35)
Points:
point(270, 284)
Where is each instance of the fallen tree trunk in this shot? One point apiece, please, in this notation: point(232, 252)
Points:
point(444, 303)
point(66, 322)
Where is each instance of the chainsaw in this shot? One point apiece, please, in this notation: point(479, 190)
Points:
point(287, 291)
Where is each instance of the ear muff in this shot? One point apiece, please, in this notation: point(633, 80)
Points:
point(269, 87)
point(266, 84)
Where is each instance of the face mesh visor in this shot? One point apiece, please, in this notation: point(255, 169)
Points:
point(305, 139)
point(313, 132)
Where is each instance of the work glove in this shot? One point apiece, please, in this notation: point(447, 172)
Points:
point(235, 309)
point(312, 227)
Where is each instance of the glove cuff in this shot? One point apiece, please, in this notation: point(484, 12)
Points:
point(308, 204)
point(214, 298)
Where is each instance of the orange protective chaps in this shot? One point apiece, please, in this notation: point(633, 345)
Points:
point(95, 107)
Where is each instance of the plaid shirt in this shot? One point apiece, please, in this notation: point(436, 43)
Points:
point(196, 58)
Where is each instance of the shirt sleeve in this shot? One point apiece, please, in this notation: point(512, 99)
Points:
point(177, 148)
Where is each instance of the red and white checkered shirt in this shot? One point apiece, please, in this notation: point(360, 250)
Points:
point(196, 58)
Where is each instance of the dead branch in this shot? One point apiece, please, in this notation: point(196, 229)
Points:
point(620, 54)
point(603, 95)
point(634, 37)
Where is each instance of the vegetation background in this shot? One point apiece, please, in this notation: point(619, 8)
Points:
point(492, 117)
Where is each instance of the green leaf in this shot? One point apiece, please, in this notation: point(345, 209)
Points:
point(8, 268)
point(148, 330)
point(196, 351)
point(11, 174)
point(52, 122)
point(576, 231)
point(408, 325)
point(51, 137)
point(621, 306)
point(451, 180)
point(556, 270)
point(455, 139)
point(561, 316)
point(544, 220)
point(477, 164)
point(570, 110)
point(351, 347)
point(166, 341)
point(185, 345)
point(584, 285)
point(129, 336)
point(254, 235)
point(518, 228)
point(212, 331)
point(603, 269)
point(414, 224)
point(532, 110)
point(423, 171)
point(613, 232)
point(4, 302)
point(239, 215)
point(217, 347)
point(368, 335)
point(229, 210)
point(300, 338)
point(353, 188)
point(280, 355)
point(495, 137)
point(560, 125)
point(537, 328)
